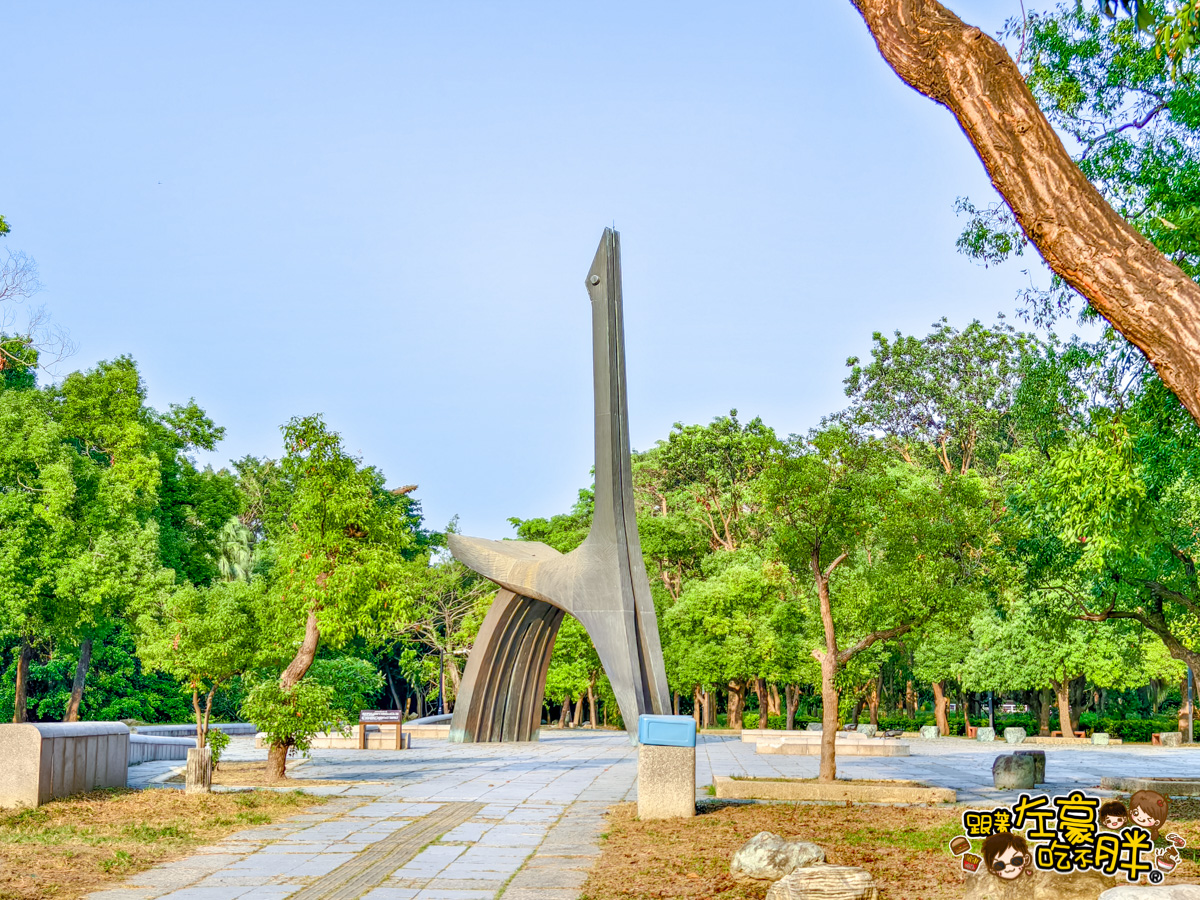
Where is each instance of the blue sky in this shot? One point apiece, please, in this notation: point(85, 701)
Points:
point(384, 212)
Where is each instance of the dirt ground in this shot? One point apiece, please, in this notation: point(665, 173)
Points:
point(71, 847)
point(905, 848)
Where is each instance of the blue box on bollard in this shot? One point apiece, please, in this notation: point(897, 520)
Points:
point(667, 731)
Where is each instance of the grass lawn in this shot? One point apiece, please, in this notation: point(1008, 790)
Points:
point(905, 848)
point(71, 847)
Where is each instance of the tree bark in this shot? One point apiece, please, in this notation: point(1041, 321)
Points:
point(577, 720)
point(910, 700)
point(592, 703)
point(1044, 712)
point(792, 700)
point(940, 714)
point(21, 695)
point(873, 698)
point(698, 706)
point(774, 706)
point(1185, 708)
point(764, 702)
point(1151, 301)
point(736, 705)
point(564, 715)
point(675, 702)
point(81, 670)
point(1062, 692)
point(277, 755)
point(829, 718)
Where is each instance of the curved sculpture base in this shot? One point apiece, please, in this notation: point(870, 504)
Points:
point(502, 689)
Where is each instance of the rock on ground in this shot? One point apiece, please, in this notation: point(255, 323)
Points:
point(1153, 892)
point(1039, 886)
point(768, 857)
point(826, 883)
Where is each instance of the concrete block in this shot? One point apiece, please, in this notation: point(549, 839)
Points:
point(1100, 738)
point(43, 761)
point(868, 730)
point(930, 733)
point(1013, 772)
point(813, 726)
point(985, 734)
point(1014, 735)
point(1039, 763)
point(666, 782)
point(146, 748)
point(1169, 738)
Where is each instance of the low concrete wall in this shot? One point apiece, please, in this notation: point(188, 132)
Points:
point(775, 735)
point(829, 792)
point(865, 747)
point(189, 730)
point(42, 761)
point(150, 747)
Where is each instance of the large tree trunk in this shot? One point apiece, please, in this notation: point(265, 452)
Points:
point(592, 703)
point(940, 714)
point(792, 700)
point(698, 706)
point(774, 706)
point(21, 696)
point(764, 702)
point(1151, 301)
point(1185, 709)
point(1062, 692)
point(277, 755)
point(873, 698)
point(829, 717)
point(564, 715)
point(910, 699)
point(736, 705)
point(578, 718)
point(81, 670)
point(1044, 705)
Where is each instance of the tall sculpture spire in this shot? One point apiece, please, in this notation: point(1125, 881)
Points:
point(602, 583)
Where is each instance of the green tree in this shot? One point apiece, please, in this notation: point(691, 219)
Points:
point(347, 554)
point(204, 637)
point(885, 548)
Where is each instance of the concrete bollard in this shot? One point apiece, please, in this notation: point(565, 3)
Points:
point(1100, 738)
point(46, 760)
point(666, 767)
point(930, 732)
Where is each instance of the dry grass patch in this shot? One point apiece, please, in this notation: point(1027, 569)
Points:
point(905, 848)
point(70, 847)
point(254, 774)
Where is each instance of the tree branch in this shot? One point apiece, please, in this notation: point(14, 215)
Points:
point(1149, 299)
point(886, 635)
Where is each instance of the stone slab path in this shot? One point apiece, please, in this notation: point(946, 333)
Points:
point(523, 821)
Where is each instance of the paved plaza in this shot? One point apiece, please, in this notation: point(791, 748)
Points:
point(523, 821)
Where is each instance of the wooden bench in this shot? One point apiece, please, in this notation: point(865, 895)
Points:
point(1078, 734)
point(380, 717)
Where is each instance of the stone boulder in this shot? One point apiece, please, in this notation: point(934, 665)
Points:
point(768, 857)
point(1014, 735)
point(985, 734)
point(983, 885)
point(1170, 738)
point(868, 730)
point(826, 883)
point(1100, 737)
point(813, 726)
point(930, 732)
point(1039, 763)
point(1153, 892)
point(1013, 773)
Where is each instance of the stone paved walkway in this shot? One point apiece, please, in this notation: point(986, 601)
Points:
point(523, 821)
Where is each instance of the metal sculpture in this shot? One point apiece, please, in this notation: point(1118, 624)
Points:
point(602, 583)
